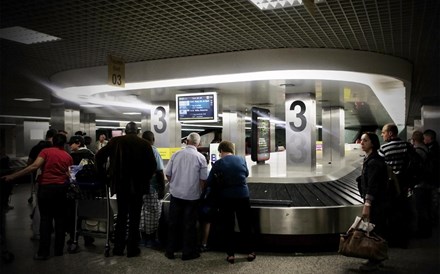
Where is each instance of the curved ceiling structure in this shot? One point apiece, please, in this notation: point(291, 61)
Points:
point(385, 76)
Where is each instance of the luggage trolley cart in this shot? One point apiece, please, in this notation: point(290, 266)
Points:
point(94, 214)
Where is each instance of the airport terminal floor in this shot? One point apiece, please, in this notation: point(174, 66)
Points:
point(422, 256)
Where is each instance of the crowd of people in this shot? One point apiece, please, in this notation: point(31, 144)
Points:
point(400, 204)
point(139, 195)
point(133, 169)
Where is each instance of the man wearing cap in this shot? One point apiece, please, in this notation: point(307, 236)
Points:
point(79, 150)
point(132, 164)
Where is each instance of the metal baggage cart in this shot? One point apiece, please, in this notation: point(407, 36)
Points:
point(94, 215)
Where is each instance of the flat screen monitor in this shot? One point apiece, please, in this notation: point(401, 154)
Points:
point(196, 107)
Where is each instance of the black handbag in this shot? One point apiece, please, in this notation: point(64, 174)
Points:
point(361, 244)
point(210, 195)
point(88, 173)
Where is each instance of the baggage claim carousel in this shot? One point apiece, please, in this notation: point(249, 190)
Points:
point(302, 212)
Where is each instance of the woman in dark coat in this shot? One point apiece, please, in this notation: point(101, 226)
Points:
point(373, 189)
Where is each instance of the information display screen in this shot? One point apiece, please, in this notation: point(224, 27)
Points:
point(260, 134)
point(197, 107)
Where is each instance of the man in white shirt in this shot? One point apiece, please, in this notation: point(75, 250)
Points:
point(187, 173)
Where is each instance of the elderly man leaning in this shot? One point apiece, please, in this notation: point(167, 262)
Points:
point(187, 173)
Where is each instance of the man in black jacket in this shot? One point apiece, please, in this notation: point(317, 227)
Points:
point(132, 164)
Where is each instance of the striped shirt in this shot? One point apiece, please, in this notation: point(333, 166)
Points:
point(394, 153)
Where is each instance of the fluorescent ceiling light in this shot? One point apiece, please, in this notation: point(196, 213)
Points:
point(115, 121)
point(110, 127)
point(192, 129)
point(132, 113)
point(25, 117)
point(281, 4)
point(203, 126)
point(26, 36)
point(90, 106)
point(28, 99)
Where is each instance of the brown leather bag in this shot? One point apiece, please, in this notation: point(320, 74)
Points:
point(360, 244)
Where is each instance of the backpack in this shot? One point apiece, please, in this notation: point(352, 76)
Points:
point(88, 173)
point(414, 168)
point(432, 169)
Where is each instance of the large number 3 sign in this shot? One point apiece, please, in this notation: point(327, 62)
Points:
point(300, 133)
point(159, 121)
point(299, 108)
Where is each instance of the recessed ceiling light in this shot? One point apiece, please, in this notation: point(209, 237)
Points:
point(280, 4)
point(26, 36)
point(28, 99)
point(131, 113)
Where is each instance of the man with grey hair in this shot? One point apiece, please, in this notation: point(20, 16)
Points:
point(187, 173)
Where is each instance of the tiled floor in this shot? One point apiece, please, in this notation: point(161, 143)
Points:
point(421, 257)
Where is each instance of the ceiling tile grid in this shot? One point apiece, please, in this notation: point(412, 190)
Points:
point(137, 30)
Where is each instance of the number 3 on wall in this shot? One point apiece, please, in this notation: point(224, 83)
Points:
point(160, 119)
point(299, 115)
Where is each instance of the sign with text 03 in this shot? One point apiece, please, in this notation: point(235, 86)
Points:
point(116, 72)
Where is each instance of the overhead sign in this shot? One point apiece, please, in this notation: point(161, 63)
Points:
point(116, 72)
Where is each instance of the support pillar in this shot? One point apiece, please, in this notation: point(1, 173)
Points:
point(234, 131)
point(300, 112)
point(333, 139)
point(431, 118)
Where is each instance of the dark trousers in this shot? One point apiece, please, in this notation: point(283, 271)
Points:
point(52, 202)
point(379, 217)
point(240, 208)
point(399, 229)
point(423, 199)
point(70, 214)
point(182, 224)
point(129, 206)
point(5, 190)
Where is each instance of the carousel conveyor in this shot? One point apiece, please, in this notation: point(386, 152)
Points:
point(306, 208)
point(293, 207)
point(340, 192)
